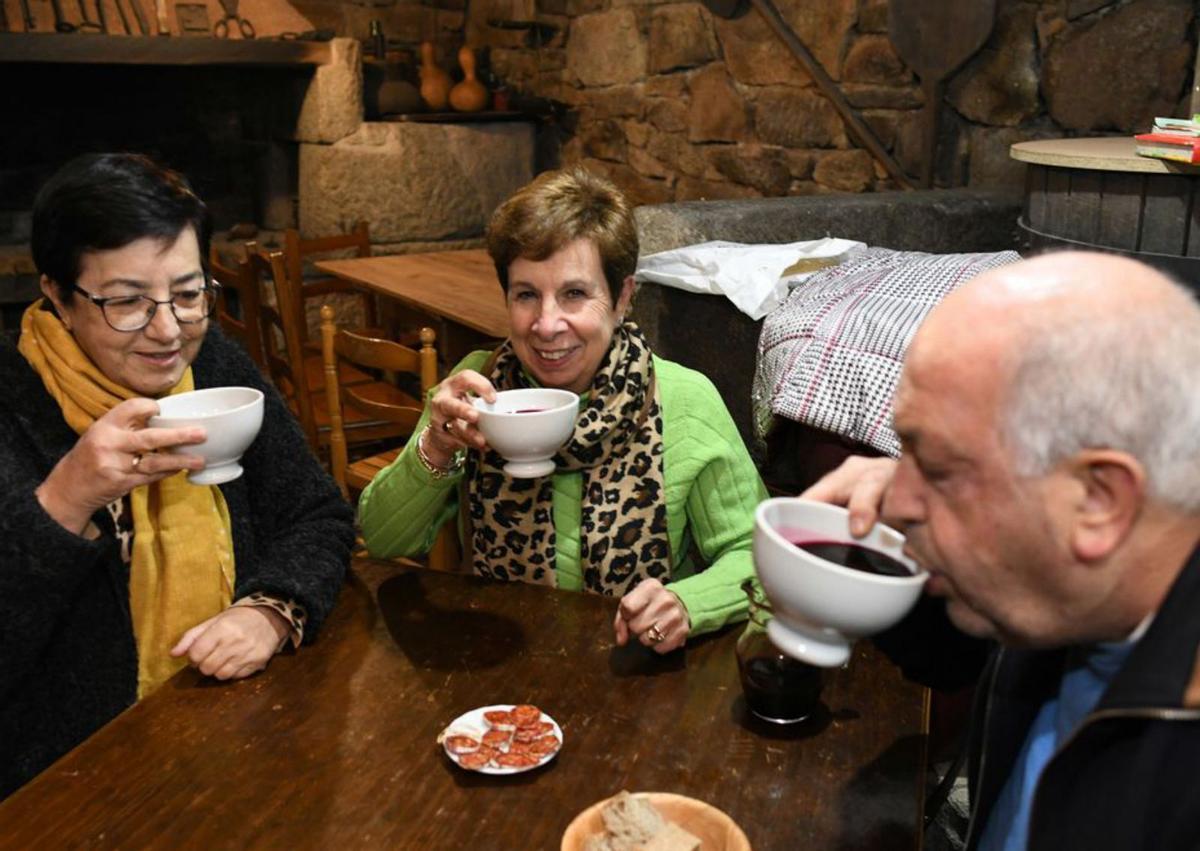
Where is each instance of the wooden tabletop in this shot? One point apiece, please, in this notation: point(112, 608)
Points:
point(1104, 153)
point(334, 746)
point(457, 285)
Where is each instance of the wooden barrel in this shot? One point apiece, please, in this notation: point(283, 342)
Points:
point(1099, 194)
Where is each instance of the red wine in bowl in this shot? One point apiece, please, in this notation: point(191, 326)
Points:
point(846, 554)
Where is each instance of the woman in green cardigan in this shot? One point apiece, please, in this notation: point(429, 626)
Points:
point(654, 465)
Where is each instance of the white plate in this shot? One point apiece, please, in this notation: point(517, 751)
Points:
point(472, 724)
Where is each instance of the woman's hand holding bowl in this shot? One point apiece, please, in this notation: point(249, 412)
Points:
point(453, 419)
point(117, 454)
point(652, 615)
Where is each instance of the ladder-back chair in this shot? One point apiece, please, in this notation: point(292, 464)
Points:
point(297, 249)
point(283, 351)
point(238, 309)
point(291, 367)
point(338, 347)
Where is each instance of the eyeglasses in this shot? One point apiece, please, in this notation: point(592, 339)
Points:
point(135, 312)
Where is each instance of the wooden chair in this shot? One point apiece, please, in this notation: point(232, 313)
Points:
point(296, 250)
point(283, 352)
point(292, 369)
point(339, 346)
point(239, 306)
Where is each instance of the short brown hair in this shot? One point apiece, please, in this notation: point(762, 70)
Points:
point(557, 208)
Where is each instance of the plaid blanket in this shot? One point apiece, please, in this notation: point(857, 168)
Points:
point(830, 355)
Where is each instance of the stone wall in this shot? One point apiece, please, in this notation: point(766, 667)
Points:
point(420, 186)
point(677, 104)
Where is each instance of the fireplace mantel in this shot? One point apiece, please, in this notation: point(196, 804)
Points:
point(81, 48)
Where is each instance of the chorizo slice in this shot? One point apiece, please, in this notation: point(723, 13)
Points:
point(461, 744)
point(500, 719)
point(516, 760)
point(477, 759)
point(526, 714)
point(496, 737)
point(545, 745)
point(534, 731)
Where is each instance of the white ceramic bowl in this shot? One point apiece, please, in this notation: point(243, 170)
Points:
point(819, 606)
point(231, 416)
point(527, 427)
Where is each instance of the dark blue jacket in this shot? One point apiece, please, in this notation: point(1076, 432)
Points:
point(1126, 780)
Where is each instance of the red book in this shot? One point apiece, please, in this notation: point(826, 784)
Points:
point(1169, 146)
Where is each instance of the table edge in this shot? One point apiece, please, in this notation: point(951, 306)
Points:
point(1123, 158)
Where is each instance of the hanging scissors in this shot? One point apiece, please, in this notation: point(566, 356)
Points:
point(221, 28)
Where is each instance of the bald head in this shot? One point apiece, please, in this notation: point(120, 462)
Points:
point(1078, 350)
point(1000, 310)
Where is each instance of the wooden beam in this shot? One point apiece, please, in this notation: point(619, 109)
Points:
point(96, 49)
point(856, 127)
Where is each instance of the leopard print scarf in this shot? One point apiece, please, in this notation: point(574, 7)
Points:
point(618, 446)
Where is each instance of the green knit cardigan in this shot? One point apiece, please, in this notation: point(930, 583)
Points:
point(712, 488)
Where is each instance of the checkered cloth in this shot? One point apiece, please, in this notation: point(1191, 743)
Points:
point(830, 355)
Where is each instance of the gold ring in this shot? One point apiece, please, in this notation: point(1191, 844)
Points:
point(137, 459)
point(655, 634)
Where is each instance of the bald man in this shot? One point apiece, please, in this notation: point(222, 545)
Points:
point(1049, 413)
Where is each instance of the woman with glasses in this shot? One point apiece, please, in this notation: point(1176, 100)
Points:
point(115, 572)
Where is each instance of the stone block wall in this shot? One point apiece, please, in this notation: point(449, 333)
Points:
point(677, 104)
point(419, 184)
point(422, 187)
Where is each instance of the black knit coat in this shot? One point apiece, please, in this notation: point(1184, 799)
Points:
point(68, 659)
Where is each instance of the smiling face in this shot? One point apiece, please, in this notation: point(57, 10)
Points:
point(152, 360)
point(562, 315)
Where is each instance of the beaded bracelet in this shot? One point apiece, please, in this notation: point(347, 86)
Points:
point(456, 460)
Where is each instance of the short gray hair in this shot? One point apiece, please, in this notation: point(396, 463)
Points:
point(1129, 382)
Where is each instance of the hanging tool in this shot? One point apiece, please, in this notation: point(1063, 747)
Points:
point(27, 13)
point(221, 29)
point(143, 25)
point(121, 13)
point(160, 11)
point(61, 24)
point(85, 22)
point(935, 38)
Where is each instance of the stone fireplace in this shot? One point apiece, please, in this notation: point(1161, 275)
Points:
point(207, 122)
point(269, 146)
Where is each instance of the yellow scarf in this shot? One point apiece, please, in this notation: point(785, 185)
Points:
point(182, 571)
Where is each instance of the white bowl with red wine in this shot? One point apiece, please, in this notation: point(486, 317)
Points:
point(826, 587)
point(527, 427)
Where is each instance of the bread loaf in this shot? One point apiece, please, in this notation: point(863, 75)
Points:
point(632, 823)
point(671, 838)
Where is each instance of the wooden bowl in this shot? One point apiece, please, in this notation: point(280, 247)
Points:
point(715, 830)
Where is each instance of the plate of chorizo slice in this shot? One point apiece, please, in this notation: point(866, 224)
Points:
point(503, 738)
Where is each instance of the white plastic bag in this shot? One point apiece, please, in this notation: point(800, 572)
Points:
point(756, 278)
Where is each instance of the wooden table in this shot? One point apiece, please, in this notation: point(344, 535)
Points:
point(334, 746)
point(459, 287)
point(1099, 194)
